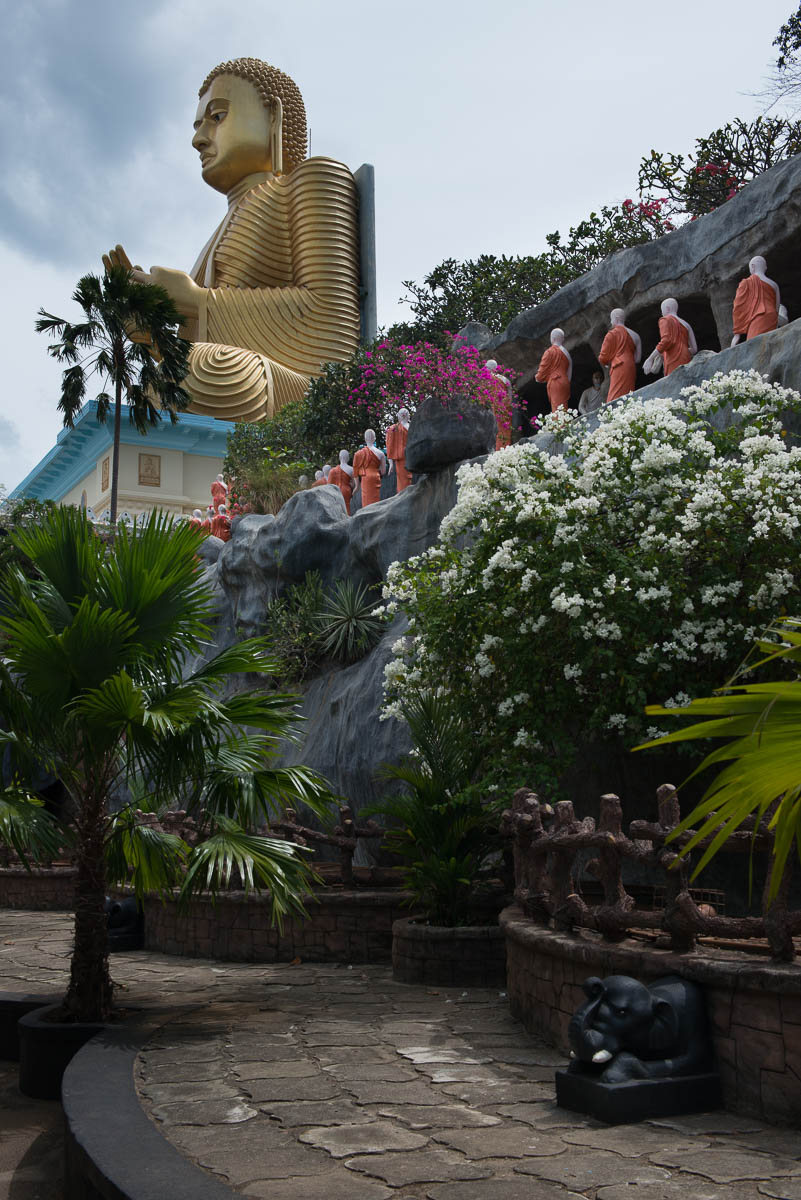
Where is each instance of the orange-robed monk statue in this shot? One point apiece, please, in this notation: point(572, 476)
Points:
point(756, 305)
point(275, 291)
point(677, 344)
point(397, 437)
point(621, 351)
point(556, 370)
point(342, 477)
point(369, 464)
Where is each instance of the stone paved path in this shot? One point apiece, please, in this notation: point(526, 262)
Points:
point(298, 1082)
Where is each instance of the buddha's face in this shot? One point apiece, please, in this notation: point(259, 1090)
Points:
point(232, 132)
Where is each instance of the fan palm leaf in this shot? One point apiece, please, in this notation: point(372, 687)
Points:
point(761, 777)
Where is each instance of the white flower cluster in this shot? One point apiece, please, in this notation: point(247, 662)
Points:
point(569, 590)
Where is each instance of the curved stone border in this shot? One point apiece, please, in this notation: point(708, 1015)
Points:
point(112, 1149)
point(754, 1007)
point(471, 955)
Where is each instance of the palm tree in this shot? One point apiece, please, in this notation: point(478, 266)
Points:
point(103, 684)
point(130, 336)
point(762, 778)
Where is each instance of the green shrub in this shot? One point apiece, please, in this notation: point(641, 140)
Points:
point(347, 626)
point(442, 830)
point(293, 628)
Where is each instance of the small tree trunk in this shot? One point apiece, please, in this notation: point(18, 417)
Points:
point(115, 454)
point(88, 996)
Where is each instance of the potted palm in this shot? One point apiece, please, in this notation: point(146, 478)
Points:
point(447, 840)
point(104, 683)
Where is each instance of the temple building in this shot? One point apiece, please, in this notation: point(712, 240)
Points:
point(169, 468)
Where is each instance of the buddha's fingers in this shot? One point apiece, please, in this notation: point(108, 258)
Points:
point(119, 256)
point(107, 263)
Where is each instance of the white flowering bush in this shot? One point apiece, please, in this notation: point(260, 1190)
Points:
point(567, 591)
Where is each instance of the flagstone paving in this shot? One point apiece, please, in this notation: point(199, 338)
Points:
point(304, 1081)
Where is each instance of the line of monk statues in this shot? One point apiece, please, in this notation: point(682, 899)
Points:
point(370, 465)
point(757, 309)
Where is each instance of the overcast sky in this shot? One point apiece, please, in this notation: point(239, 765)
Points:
point(489, 125)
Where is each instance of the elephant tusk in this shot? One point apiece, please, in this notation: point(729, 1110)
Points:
point(601, 1056)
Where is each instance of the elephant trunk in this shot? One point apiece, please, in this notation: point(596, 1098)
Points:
point(588, 1043)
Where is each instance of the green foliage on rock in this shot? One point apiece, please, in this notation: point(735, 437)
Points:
point(308, 630)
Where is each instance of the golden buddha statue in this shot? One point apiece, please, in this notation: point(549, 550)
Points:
point(275, 291)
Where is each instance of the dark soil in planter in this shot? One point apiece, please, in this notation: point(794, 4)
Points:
point(46, 1047)
point(457, 956)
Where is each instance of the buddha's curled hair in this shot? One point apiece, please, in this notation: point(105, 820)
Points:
point(270, 83)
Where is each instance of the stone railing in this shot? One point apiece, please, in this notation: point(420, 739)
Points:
point(550, 848)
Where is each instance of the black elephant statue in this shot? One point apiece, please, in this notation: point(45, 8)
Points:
point(629, 1030)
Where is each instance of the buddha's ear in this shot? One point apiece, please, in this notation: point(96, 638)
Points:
point(277, 136)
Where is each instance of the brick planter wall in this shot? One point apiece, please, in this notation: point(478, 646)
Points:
point(472, 955)
point(342, 927)
point(754, 1005)
point(38, 889)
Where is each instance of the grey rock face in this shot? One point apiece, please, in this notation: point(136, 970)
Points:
point(776, 354)
point(444, 433)
point(700, 265)
point(474, 334)
point(342, 736)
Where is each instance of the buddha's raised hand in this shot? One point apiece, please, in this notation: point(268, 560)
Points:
point(179, 286)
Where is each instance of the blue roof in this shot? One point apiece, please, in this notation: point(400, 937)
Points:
point(77, 450)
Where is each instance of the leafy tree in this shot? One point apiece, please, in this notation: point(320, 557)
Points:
point(102, 685)
point(785, 83)
point(14, 513)
point(130, 338)
point(788, 39)
point(495, 290)
point(722, 162)
point(672, 189)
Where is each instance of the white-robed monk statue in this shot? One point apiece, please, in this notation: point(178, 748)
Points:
point(275, 291)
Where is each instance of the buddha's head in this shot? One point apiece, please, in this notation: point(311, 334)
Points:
point(250, 119)
point(757, 265)
point(670, 307)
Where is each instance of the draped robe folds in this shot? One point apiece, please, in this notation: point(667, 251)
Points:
point(397, 437)
point(221, 527)
point(343, 481)
point(280, 280)
point(552, 371)
point(674, 343)
point(367, 466)
point(219, 494)
point(617, 352)
point(756, 309)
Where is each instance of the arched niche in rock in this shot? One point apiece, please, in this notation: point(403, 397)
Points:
point(532, 398)
point(585, 361)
